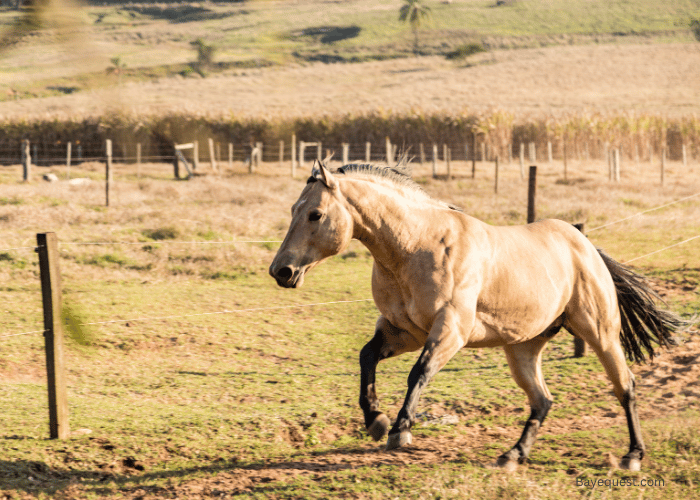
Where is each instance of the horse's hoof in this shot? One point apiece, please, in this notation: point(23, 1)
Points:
point(506, 464)
point(398, 440)
point(631, 464)
point(379, 427)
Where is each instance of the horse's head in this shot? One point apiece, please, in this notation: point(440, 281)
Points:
point(321, 227)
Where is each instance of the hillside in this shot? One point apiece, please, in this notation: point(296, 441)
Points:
point(541, 57)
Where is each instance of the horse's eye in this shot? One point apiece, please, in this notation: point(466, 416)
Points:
point(314, 216)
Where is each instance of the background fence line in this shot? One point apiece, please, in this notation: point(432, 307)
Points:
point(257, 241)
point(127, 151)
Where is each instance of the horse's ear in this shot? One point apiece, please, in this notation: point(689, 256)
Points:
point(325, 176)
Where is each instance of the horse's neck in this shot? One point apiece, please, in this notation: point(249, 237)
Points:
point(388, 223)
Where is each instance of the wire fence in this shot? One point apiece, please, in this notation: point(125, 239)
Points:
point(224, 150)
point(271, 308)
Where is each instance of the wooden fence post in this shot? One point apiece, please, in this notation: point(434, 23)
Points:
point(108, 170)
point(522, 160)
point(346, 153)
point(685, 156)
point(617, 165)
point(138, 160)
point(259, 147)
point(26, 161)
point(302, 150)
point(368, 152)
point(230, 156)
point(549, 151)
point(663, 164)
point(495, 176)
point(176, 165)
point(474, 154)
point(421, 153)
point(448, 158)
point(212, 158)
point(389, 155)
point(580, 346)
point(435, 156)
point(68, 153)
point(319, 151)
point(564, 154)
point(532, 152)
point(531, 192)
point(195, 155)
point(294, 155)
point(47, 243)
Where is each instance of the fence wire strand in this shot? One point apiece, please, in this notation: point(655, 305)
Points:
point(662, 249)
point(643, 212)
point(158, 242)
point(233, 311)
point(23, 333)
point(17, 248)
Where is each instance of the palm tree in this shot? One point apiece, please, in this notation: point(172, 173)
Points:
point(117, 68)
point(414, 12)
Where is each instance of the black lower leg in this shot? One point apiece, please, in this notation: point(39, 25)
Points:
point(521, 450)
point(630, 405)
point(370, 355)
point(418, 378)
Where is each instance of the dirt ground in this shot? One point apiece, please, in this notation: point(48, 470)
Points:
point(670, 384)
point(642, 78)
point(666, 386)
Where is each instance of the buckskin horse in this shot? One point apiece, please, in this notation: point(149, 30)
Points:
point(443, 280)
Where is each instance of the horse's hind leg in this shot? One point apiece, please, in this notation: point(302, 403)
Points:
point(525, 361)
point(388, 341)
point(613, 360)
point(606, 344)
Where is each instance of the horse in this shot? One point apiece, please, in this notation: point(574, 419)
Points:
point(443, 281)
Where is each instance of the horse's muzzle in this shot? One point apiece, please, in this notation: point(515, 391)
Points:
point(287, 276)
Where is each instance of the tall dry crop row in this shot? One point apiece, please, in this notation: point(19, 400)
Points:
point(583, 135)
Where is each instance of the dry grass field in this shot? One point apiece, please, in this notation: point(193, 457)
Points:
point(658, 79)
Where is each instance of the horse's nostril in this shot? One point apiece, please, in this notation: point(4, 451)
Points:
point(285, 273)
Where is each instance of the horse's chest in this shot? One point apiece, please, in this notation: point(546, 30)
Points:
point(400, 305)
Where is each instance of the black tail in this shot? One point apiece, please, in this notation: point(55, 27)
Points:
point(642, 320)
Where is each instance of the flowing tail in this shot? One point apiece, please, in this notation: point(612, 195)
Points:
point(643, 322)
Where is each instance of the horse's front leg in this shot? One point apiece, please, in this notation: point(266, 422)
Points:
point(443, 343)
point(388, 341)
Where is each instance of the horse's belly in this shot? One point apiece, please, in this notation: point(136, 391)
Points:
point(515, 325)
